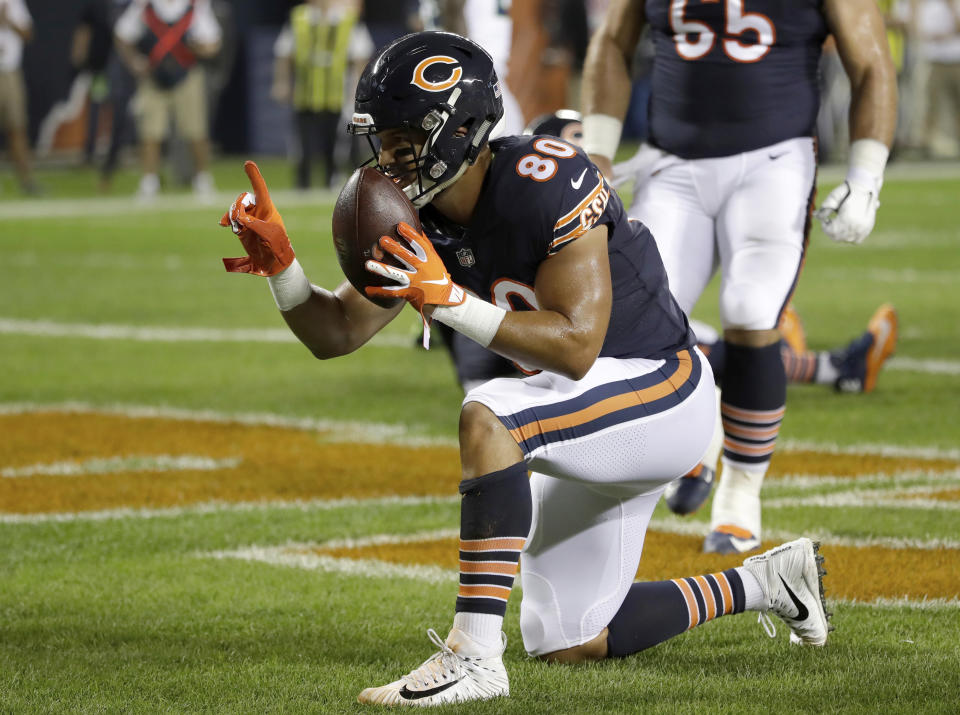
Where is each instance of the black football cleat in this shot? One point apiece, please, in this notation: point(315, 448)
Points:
point(688, 493)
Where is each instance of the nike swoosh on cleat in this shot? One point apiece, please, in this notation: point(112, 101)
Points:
point(576, 184)
point(418, 694)
point(802, 611)
point(743, 545)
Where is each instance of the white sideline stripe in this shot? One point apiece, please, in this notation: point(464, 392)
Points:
point(163, 334)
point(110, 465)
point(377, 433)
point(184, 201)
point(219, 507)
point(335, 430)
point(104, 331)
point(181, 202)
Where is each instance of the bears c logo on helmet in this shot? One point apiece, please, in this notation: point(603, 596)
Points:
point(419, 74)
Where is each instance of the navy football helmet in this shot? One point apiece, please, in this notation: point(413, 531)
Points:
point(564, 123)
point(434, 83)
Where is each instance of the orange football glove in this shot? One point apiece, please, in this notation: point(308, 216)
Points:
point(258, 225)
point(424, 281)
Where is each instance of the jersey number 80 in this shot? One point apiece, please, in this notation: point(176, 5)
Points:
point(543, 168)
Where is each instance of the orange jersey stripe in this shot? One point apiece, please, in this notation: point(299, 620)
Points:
point(707, 594)
point(691, 601)
point(500, 593)
point(611, 404)
point(725, 590)
point(751, 415)
point(502, 544)
point(581, 206)
point(506, 568)
point(575, 233)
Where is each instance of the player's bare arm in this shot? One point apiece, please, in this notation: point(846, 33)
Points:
point(606, 79)
point(859, 30)
point(574, 292)
point(335, 323)
point(849, 212)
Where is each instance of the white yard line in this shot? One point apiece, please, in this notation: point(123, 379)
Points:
point(169, 334)
point(865, 499)
point(869, 449)
point(335, 430)
point(166, 334)
point(304, 556)
point(883, 480)
point(220, 507)
point(669, 524)
point(378, 433)
point(930, 367)
point(111, 465)
point(677, 525)
point(369, 568)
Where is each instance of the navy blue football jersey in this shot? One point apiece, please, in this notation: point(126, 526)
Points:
point(541, 194)
point(733, 76)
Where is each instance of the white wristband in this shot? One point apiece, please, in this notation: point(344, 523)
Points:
point(868, 158)
point(475, 318)
point(290, 286)
point(601, 134)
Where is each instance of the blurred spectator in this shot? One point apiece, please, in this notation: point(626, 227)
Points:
point(935, 28)
point(121, 86)
point(549, 44)
point(386, 20)
point(489, 23)
point(90, 53)
point(16, 27)
point(161, 41)
point(313, 57)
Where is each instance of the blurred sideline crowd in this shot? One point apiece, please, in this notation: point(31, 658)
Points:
point(167, 82)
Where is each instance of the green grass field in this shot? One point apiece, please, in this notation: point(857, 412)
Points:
point(107, 306)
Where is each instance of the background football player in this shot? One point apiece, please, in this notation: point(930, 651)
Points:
point(730, 181)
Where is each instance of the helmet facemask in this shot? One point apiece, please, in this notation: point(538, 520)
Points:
point(436, 166)
point(444, 90)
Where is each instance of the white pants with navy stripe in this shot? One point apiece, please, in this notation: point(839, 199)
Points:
point(601, 450)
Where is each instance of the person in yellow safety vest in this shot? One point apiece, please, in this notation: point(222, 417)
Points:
point(313, 56)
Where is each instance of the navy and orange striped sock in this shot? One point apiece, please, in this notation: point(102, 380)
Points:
point(753, 403)
point(495, 515)
point(656, 611)
point(799, 367)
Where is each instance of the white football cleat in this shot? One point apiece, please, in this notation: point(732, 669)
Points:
point(791, 576)
point(445, 677)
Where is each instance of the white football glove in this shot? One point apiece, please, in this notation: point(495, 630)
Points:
point(849, 212)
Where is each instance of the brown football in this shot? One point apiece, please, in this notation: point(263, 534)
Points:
point(370, 205)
